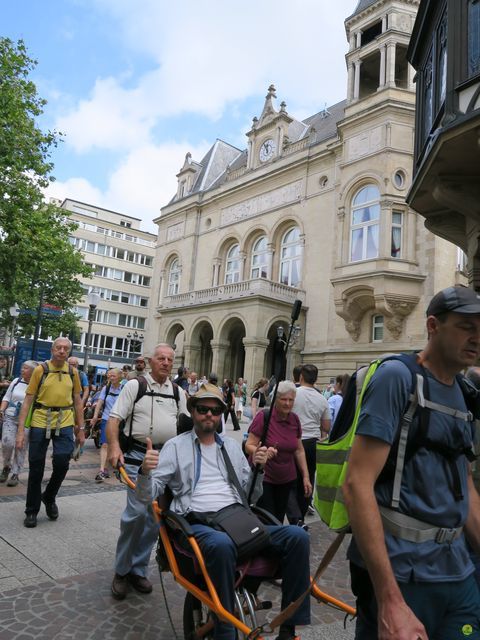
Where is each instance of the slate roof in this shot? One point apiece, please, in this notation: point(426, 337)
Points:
point(363, 4)
point(223, 157)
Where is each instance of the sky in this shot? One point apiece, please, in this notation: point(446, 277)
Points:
point(133, 85)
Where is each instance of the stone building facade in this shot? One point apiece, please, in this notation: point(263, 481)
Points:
point(312, 210)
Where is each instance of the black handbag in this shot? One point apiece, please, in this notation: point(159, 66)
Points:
point(246, 530)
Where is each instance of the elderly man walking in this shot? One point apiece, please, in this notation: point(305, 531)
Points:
point(152, 416)
point(54, 391)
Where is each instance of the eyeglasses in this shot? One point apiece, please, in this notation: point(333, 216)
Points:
point(203, 410)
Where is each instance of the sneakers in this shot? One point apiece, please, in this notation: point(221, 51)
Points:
point(4, 474)
point(51, 509)
point(139, 583)
point(119, 587)
point(30, 520)
point(102, 475)
point(13, 480)
point(311, 511)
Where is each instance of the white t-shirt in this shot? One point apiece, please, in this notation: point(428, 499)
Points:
point(212, 492)
point(15, 395)
point(310, 406)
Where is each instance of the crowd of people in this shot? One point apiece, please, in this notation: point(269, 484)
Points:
point(416, 532)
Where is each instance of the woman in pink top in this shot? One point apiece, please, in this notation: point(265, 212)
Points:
point(285, 451)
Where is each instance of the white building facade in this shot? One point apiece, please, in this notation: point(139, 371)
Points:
point(122, 256)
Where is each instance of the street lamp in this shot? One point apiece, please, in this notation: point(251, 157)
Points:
point(281, 351)
point(14, 313)
point(93, 300)
point(296, 331)
point(133, 338)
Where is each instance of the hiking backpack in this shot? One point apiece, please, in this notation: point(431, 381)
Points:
point(332, 456)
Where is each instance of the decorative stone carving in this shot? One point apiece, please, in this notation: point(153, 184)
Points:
point(353, 328)
point(253, 206)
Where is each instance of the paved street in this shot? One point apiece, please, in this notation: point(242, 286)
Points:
point(55, 579)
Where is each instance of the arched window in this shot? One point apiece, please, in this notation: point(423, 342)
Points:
point(232, 268)
point(365, 224)
point(291, 258)
point(259, 259)
point(174, 278)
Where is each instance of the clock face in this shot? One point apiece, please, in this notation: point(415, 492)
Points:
point(267, 150)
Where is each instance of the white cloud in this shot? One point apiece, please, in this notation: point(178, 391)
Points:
point(143, 183)
point(206, 56)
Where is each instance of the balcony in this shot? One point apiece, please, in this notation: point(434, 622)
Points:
point(227, 292)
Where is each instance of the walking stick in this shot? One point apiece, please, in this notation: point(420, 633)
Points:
point(266, 422)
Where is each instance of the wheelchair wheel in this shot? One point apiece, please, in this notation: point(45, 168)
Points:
point(195, 615)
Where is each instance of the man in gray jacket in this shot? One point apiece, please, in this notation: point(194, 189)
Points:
point(193, 466)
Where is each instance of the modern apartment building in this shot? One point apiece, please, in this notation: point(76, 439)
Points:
point(122, 257)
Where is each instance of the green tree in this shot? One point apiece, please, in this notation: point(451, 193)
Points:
point(36, 256)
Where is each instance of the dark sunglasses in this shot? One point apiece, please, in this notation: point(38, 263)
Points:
point(203, 410)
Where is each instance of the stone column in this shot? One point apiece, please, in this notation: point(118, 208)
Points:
point(358, 37)
point(161, 286)
point(391, 53)
point(192, 354)
point(356, 86)
point(350, 81)
point(219, 351)
point(255, 349)
point(270, 248)
point(383, 54)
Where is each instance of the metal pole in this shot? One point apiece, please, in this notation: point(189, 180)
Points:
point(37, 324)
point(91, 317)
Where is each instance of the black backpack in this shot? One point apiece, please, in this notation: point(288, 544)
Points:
point(126, 441)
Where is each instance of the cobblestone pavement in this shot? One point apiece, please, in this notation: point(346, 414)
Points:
point(55, 579)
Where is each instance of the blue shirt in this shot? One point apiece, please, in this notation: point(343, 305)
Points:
point(109, 400)
point(426, 489)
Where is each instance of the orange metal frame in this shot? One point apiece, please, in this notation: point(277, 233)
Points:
point(210, 597)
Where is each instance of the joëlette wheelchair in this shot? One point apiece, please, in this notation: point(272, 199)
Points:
point(179, 552)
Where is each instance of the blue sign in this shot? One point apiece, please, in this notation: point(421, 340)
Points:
point(23, 351)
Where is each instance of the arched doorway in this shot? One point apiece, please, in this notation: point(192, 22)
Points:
point(233, 333)
point(176, 337)
point(200, 348)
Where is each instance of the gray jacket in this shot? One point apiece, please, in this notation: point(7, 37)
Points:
point(177, 467)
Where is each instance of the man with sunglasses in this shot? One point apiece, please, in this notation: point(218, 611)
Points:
point(194, 468)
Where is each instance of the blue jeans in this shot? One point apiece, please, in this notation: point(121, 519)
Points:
point(290, 544)
point(63, 445)
point(448, 610)
point(138, 530)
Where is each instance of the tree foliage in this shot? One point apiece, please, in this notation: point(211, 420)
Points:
point(35, 252)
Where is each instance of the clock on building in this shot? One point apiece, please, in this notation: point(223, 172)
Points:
point(267, 150)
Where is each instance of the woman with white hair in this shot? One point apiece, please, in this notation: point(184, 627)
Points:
point(108, 397)
point(285, 451)
point(10, 408)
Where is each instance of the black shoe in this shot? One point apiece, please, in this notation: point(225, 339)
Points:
point(51, 509)
point(119, 587)
point(30, 520)
point(139, 583)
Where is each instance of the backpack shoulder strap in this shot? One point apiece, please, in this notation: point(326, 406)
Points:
point(142, 389)
point(176, 393)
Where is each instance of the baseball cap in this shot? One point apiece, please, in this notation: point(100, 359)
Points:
point(458, 298)
point(205, 391)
